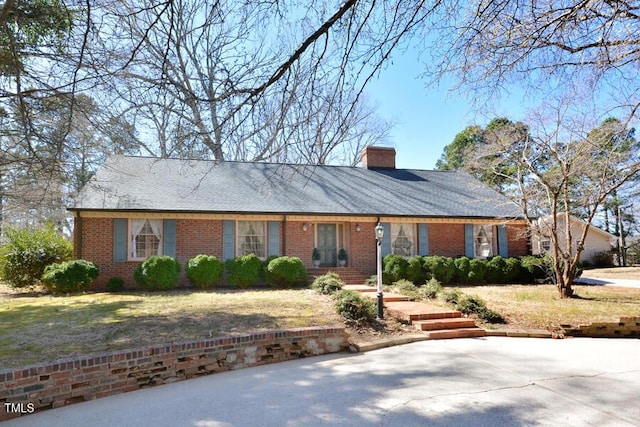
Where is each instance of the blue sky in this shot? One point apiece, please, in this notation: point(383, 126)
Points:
point(426, 118)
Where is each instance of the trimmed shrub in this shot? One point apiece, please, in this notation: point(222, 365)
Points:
point(536, 268)
point(407, 288)
point(287, 272)
point(463, 268)
point(451, 296)
point(472, 304)
point(495, 272)
point(478, 272)
point(204, 271)
point(115, 284)
point(431, 289)
point(416, 271)
point(327, 284)
point(28, 251)
point(353, 306)
point(265, 267)
point(441, 268)
point(244, 271)
point(512, 270)
point(69, 276)
point(157, 273)
point(394, 268)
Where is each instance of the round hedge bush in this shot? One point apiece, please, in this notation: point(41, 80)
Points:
point(287, 272)
point(157, 273)
point(115, 284)
point(204, 271)
point(69, 276)
point(394, 268)
point(244, 271)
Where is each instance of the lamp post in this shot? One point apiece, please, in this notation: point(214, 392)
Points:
point(379, 236)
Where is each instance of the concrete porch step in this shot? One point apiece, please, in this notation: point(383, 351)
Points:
point(444, 324)
point(456, 333)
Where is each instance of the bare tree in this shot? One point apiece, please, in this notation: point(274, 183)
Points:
point(197, 81)
point(564, 170)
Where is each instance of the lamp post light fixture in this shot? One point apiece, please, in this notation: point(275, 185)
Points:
point(379, 236)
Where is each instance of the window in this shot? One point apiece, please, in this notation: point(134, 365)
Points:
point(251, 238)
point(483, 240)
point(546, 245)
point(146, 238)
point(402, 240)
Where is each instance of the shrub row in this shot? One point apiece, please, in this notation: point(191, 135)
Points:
point(205, 271)
point(465, 270)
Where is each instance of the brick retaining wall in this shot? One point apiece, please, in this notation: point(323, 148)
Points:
point(627, 327)
point(84, 378)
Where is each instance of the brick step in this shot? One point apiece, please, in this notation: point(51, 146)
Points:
point(411, 311)
point(456, 333)
point(387, 296)
point(440, 324)
point(361, 288)
point(348, 275)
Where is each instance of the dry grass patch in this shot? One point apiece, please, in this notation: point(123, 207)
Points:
point(540, 307)
point(36, 329)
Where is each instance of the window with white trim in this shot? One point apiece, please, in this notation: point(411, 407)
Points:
point(251, 238)
point(546, 245)
point(145, 238)
point(402, 239)
point(483, 240)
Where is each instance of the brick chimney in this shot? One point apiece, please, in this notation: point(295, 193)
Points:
point(379, 157)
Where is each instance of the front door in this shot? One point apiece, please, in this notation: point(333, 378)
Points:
point(327, 244)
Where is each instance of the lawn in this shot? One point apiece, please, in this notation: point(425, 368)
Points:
point(41, 328)
point(540, 307)
point(37, 328)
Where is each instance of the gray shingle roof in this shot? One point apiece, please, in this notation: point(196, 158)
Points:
point(139, 183)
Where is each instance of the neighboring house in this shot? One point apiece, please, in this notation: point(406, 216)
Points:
point(136, 207)
point(597, 241)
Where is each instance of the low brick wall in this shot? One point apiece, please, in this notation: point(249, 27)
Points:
point(627, 327)
point(66, 381)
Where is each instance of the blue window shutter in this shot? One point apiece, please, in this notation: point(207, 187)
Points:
point(228, 239)
point(169, 246)
point(469, 244)
point(119, 240)
point(423, 239)
point(274, 238)
point(386, 239)
point(503, 245)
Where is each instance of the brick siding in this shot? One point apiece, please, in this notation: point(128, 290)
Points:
point(446, 240)
point(84, 378)
point(196, 236)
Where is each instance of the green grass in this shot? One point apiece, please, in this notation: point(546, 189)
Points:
point(41, 328)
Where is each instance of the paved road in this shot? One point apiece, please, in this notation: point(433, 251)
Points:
point(627, 283)
point(481, 382)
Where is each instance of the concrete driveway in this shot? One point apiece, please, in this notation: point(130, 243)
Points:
point(481, 382)
point(627, 283)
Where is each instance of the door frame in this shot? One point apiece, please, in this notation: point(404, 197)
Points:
point(339, 237)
